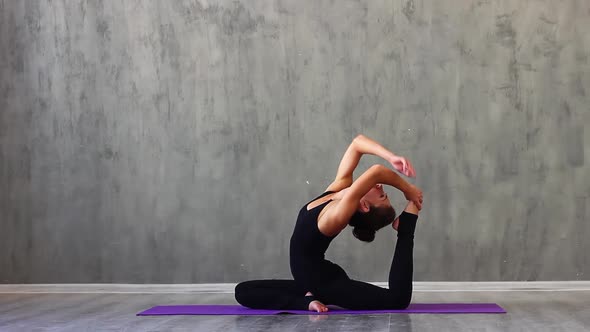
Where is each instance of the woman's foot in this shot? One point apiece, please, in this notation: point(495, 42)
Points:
point(316, 305)
point(412, 208)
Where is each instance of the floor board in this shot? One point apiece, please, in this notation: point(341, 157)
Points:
point(527, 311)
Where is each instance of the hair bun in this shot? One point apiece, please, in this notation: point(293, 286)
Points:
point(364, 234)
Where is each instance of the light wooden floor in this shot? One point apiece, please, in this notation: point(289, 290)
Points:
point(527, 311)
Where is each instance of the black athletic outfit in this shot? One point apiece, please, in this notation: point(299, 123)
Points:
point(328, 282)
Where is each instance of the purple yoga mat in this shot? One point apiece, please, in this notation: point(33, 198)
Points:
point(418, 308)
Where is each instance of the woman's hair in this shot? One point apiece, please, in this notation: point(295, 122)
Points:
point(366, 224)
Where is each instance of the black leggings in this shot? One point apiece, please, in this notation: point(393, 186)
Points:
point(345, 293)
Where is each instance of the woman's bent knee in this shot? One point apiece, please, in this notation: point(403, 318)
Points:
point(399, 301)
point(401, 304)
point(241, 293)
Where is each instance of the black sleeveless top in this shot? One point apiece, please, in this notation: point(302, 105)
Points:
point(308, 247)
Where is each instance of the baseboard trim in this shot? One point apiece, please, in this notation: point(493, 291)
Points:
point(419, 286)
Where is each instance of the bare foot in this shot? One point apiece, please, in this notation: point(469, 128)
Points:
point(412, 208)
point(317, 306)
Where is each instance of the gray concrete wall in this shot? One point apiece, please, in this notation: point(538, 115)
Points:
point(175, 141)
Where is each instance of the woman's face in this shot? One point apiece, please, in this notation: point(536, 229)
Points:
point(377, 196)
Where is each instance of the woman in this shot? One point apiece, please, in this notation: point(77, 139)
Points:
point(364, 205)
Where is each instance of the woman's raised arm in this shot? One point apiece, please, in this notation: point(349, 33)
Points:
point(363, 145)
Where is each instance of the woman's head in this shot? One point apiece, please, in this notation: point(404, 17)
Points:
point(375, 212)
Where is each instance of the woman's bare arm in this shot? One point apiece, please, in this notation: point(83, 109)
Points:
point(359, 146)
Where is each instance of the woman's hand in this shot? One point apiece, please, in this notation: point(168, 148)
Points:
point(414, 194)
point(403, 166)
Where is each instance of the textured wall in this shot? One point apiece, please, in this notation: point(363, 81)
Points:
point(175, 141)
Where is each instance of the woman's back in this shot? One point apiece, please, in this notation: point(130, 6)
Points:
point(308, 247)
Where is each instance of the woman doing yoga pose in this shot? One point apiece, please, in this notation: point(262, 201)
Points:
point(364, 205)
